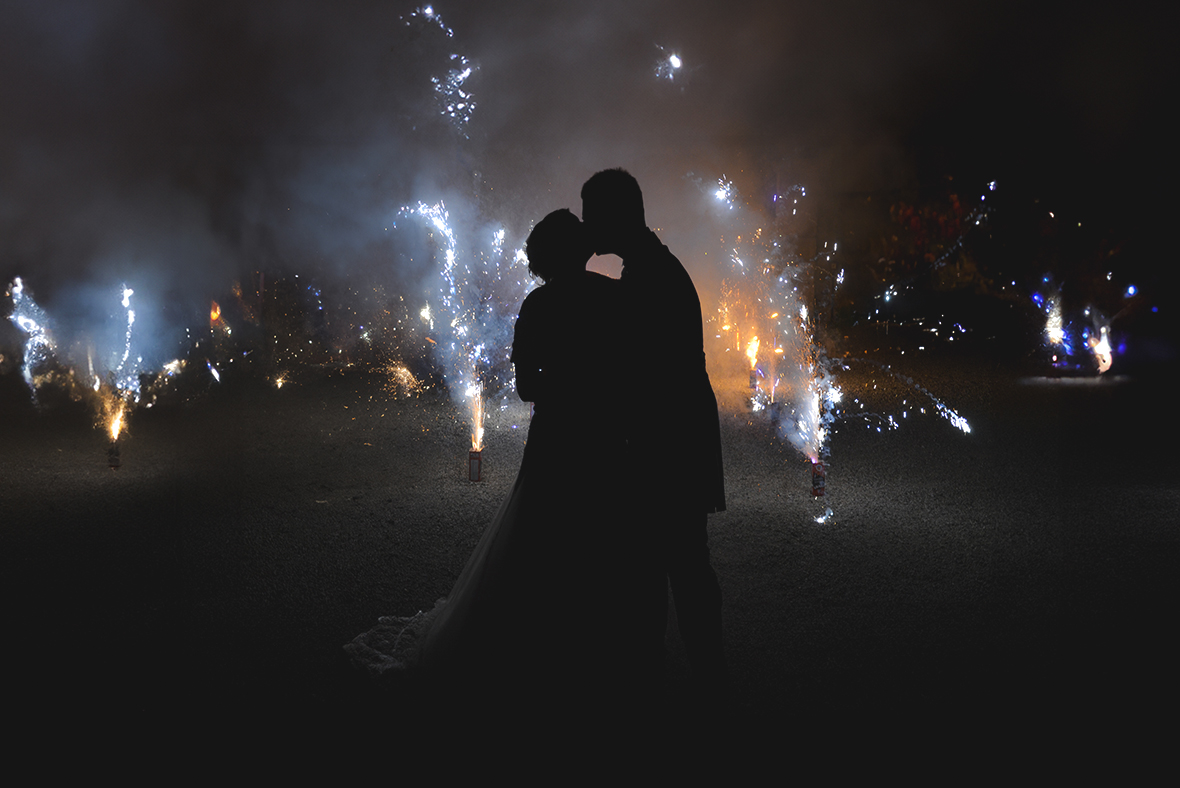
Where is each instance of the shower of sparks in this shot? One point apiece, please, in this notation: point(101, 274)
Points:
point(455, 102)
point(400, 381)
point(1054, 331)
point(475, 395)
point(669, 65)
point(1062, 337)
point(112, 394)
point(890, 422)
point(39, 346)
point(112, 411)
point(123, 393)
point(127, 375)
point(726, 193)
point(810, 395)
point(474, 303)
point(769, 304)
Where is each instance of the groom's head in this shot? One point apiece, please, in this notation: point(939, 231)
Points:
point(612, 210)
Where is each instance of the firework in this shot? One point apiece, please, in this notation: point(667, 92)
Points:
point(889, 421)
point(669, 65)
point(752, 355)
point(473, 303)
point(455, 102)
point(39, 346)
point(1061, 337)
point(763, 297)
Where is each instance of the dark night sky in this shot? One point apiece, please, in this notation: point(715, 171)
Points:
point(177, 144)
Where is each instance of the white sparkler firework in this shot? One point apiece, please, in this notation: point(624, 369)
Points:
point(764, 295)
point(773, 295)
point(117, 400)
point(940, 407)
point(474, 303)
point(669, 65)
point(1054, 331)
point(1061, 336)
point(726, 193)
point(30, 318)
point(455, 102)
point(126, 375)
point(809, 395)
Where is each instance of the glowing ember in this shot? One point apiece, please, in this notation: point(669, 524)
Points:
point(401, 382)
point(127, 374)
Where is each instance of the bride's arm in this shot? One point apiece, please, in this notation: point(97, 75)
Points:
point(526, 355)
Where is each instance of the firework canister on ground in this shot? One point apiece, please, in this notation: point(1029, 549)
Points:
point(475, 465)
point(819, 478)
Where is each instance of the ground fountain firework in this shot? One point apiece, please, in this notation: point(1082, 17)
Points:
point(112, 392)
point(471, 309)
point(771, 311)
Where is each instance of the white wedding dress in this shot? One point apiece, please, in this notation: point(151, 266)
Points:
point(447, 633)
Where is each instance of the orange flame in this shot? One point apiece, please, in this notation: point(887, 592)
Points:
point(214, 315)
point(116, 423)
point(114, 413)
point(477, 419)
point(752, 352)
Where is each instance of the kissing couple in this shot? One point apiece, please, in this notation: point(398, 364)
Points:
point(563, 605)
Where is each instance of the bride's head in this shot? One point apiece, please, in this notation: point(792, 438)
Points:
point(557, 246)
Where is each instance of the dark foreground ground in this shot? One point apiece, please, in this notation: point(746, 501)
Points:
point(1010, 585)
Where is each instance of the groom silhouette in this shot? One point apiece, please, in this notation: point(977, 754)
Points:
point(674, 466)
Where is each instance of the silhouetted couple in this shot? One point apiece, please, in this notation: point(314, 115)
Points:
point(563, 604)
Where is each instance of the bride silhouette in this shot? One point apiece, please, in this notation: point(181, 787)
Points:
point(544, 611)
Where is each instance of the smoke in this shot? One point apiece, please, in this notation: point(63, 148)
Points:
point(175, 146)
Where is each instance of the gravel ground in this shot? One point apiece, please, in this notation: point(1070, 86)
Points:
point(1022, 577)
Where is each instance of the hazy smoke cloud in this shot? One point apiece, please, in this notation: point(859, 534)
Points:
point(175, 146)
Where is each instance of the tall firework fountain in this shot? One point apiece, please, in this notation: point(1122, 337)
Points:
point(767, 312)
point(39, 346)
point(772, 303)
point(110, 383)
point(470, 307)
